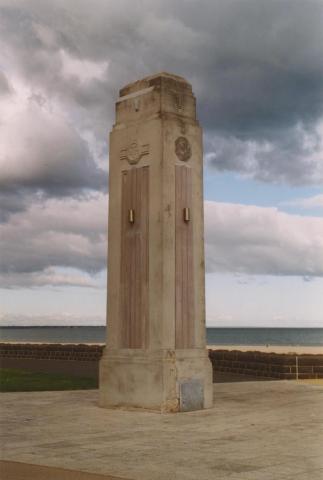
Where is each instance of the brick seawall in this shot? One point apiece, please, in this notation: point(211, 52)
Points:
point(259, 364)
point(52, 351)
point(272, 365)
point(79, 360)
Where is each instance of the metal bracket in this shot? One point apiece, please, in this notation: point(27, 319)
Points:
point(131, 215)
point(186, 214)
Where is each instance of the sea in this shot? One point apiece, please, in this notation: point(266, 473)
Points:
point(214, 336)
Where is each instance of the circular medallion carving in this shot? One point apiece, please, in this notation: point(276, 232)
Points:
point(183, 149)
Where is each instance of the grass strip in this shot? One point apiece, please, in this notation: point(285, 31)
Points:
point(12, 380)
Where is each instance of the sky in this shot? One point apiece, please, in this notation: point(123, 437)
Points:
point(256, 68)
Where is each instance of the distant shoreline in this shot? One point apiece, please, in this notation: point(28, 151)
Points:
point(262, 339)
point(207, 327)
point(104, 326)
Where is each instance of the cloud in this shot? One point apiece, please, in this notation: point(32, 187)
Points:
point(256, 67)
point(58, 234)
point(294, 157)
point(63, 242)
point(42, 154)
point(5, 88)
point(62, 320)
point(50, 276)
point(246, 239)
point(42, 149)
point(310, 202)
point(82, 71)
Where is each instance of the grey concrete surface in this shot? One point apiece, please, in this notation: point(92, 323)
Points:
point(255, 431)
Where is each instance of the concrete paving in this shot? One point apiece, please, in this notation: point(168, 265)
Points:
point(255, 431)
point(26, 471)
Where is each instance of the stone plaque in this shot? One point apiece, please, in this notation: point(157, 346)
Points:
point(191, 395)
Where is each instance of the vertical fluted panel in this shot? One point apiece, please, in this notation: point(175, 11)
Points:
point(184, 307)
point(134, 259)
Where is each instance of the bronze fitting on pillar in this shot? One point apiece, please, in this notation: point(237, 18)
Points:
point(186, 214)
point(131, 215)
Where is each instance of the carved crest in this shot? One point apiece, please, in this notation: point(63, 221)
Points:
point(134, 152)
point(183, 149)
point(178, 101)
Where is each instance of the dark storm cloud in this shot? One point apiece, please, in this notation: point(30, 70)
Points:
point(43, 155)
point(5, 88)
point(57, 233)
point(256, 67)
point(294, 156)
point(261, 64)
point(58, 160)
point(12, 201)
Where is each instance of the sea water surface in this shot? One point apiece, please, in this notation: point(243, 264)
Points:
point(214, 336)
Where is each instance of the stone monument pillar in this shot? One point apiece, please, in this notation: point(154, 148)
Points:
point(156, 356)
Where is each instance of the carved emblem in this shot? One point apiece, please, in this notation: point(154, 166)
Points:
point(183, 149)
point(178, 101)
point(134, 152)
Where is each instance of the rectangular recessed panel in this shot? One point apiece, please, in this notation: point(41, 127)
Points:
point(134, 258)
point(191, 395)
point(184, 286)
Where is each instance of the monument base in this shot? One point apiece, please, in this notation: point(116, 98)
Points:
point(158, 380)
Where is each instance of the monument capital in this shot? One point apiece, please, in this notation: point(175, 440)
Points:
point(161, 78)
point(159, 94)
